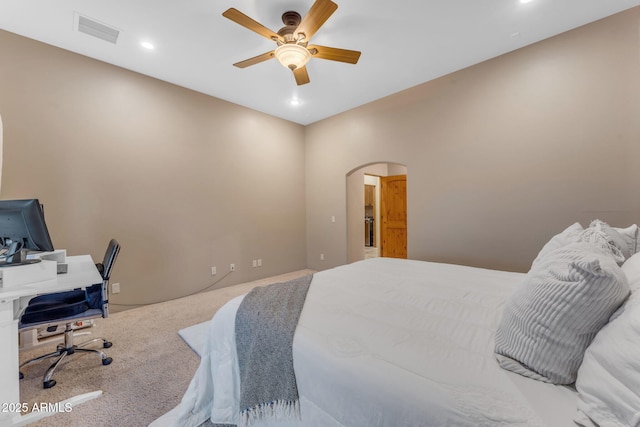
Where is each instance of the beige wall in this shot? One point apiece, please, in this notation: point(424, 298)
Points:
point(1, 133)
point(500, 155)
point(184, 181)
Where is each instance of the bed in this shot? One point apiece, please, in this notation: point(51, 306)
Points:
point(389, 342)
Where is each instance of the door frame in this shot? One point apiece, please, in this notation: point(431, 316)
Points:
point(355, 202)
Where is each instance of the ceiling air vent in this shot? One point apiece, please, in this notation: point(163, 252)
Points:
point(96, 29)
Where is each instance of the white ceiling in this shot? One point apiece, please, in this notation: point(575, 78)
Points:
point(403, 43)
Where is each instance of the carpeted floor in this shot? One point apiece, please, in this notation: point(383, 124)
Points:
point(151, 369)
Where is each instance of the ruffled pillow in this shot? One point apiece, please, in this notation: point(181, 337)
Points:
point(625, 243)
point(605, 238)
point(624, 239)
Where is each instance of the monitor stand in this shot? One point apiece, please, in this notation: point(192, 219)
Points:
point(18, 258)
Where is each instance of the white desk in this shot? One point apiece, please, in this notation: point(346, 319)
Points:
point(82, 272)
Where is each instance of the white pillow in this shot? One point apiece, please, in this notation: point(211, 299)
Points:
point(550, 320)
point(631, 269)
point(568, 235)
point(608, 381)
point(630, 235)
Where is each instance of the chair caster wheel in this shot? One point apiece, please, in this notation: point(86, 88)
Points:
point(49, 384)
point(107, 344)
point(21, 375)
point(107, 361)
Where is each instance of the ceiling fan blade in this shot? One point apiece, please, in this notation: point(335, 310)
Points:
point(334, 54)
point(301, 75)
point(240, 18)
point(317, 15)
point(254, 60)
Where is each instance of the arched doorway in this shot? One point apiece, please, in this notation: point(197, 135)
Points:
point(366, 224)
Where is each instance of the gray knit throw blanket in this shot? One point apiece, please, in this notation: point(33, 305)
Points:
point(265, 323)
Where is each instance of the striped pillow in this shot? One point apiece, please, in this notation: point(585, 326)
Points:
point(553, 316)
point(568, 235)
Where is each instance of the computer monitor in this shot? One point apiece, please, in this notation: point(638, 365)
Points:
point(22, 229)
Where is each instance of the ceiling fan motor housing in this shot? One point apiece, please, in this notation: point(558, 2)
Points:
point(291, 20)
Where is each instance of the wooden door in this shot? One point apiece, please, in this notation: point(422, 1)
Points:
point(393, 212)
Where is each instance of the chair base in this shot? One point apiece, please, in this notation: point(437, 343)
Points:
point(64, 350)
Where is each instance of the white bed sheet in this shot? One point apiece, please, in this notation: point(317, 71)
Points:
point(387, 342)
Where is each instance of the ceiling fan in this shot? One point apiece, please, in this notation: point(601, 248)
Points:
point(293, 50)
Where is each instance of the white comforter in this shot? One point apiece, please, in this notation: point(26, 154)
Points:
point(382, 342)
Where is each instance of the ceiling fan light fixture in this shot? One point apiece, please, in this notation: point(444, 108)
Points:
point(292, 55)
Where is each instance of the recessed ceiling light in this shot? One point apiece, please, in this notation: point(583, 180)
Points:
point(295, 101)
point(147, 45)
point(525, 1)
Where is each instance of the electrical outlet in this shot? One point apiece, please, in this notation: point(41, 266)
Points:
point(321, 257)
point(232, 267)
point(259, 262)
point(115, 288)
point(213, 271)
point(255, 263)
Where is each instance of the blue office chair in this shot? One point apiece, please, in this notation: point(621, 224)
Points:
point(51, 311)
